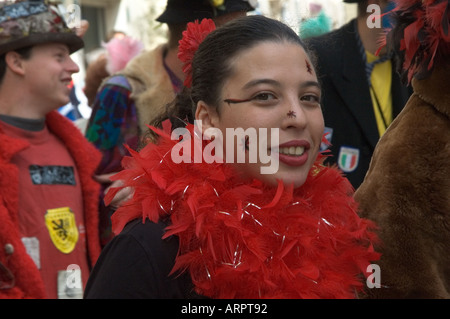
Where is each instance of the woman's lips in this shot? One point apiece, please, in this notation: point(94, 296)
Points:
point(293, 153)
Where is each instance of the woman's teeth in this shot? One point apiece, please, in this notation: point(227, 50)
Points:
point(293, 150)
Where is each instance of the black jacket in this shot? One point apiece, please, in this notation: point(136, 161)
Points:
point(346, 102)
point(136, 264)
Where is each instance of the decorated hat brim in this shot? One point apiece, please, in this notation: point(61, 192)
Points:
point(73, 42)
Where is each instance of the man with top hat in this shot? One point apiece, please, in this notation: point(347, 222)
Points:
point(138, 95)
point(362, 92)
point(48, 199)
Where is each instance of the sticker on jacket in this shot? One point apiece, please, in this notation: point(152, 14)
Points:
point(348, 159)
point(62, 228)
point(32, 247)
point(328, 134)
point(52, 175)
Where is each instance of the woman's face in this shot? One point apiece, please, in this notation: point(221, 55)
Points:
point(274, 87)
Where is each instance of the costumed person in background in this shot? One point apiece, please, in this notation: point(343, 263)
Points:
point(407, 188)
point(132, 98)
point(316, 24)
point(119, 50)
point(48, 198)
point(208, 224)
point(356, 85)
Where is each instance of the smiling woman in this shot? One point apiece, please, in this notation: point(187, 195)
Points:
point(270, 93)
point(225, 229)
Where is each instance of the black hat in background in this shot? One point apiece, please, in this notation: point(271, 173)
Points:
point(184, 11)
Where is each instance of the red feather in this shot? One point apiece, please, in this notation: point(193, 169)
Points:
point(412, 42)
point(305, 243)
point(420, 40)
point(194, 34)
point(437, 18)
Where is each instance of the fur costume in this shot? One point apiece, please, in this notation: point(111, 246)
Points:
point(151, 86)
point(95, 74)
point(407, 188)
point(119, 51)
point(407, 193)
point(13, 256)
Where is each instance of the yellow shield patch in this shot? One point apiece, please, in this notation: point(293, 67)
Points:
point(62, 229)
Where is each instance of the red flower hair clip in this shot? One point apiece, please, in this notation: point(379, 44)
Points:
point(194, 34)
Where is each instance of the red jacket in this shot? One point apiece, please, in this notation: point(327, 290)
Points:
point(14, 260)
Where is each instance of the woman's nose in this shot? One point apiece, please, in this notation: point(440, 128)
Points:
point(294, 114)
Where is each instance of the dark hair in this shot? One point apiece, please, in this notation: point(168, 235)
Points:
point(25, 53)
point(175, 34)
point(212, 62)
point(362, 8)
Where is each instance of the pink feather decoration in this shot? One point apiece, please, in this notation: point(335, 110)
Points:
point(120, 52)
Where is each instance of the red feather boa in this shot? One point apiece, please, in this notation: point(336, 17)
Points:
point(245, 240)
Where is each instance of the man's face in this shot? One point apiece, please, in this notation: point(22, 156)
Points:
point(48, 74)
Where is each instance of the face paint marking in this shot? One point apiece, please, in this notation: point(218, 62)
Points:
point(308, 67)
point(292, 115)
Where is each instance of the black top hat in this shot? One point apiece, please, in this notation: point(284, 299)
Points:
point(184, 11)
point(28, 23)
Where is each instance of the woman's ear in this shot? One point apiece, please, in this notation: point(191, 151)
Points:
point(15, 62)
point(207, 115)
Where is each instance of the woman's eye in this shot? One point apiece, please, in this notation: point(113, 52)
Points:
point(310, 98)
point(264, 97)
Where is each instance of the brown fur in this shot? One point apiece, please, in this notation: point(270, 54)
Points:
point(151, 86)
point(95, 74)
point(407, 193)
